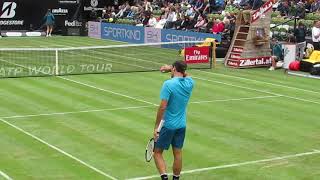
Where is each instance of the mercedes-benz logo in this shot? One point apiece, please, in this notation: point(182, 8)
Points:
point(94, 3)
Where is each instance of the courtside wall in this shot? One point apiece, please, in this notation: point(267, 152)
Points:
point(138, 34)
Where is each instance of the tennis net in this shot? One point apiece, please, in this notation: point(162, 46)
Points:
point(22, 62)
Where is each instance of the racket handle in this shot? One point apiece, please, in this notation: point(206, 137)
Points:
point(160, 126)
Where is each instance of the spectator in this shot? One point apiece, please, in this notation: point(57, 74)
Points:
point(300, 33)
point(218, 27)
point(232, 26)
point(300, 10)
point(201, 23)
point(206, 9)
point(190, 11)
point(183, 24)
point(283, 8)
point(316, 35)
point(152, 21)
point(122, 10)
point(276, 53)
point(171, 18)
point(315, 6)
point(198, 5)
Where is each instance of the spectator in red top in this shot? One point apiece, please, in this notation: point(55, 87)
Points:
point(217, 27)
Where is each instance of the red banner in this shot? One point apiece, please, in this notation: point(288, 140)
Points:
point(196, 55)
point(237, 49)
point(250, 62)
point(262, 10)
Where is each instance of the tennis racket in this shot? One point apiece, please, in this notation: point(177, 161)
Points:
point(150, 146)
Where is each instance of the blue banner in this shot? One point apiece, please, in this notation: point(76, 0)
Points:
point(168, 35)
point(122, 32)
point(137, 34)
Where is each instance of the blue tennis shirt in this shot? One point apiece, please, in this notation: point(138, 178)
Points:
point(177, 92)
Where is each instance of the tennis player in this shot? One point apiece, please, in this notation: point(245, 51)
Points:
point(175, 94)
point(49, 22)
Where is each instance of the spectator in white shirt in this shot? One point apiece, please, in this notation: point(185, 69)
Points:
point(152, 21)
point(316, 35)
point(172, 17)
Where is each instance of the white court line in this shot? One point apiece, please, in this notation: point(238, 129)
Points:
point(73, 112)
point(59, 150)
point(235, 99)
point(135, 107)
point(253, 80)
point(234, 165)
point(5, 175)
point(105, 90)
point(257, 90)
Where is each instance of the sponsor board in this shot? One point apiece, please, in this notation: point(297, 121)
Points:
point(94, 29)
point(197, 55)
point(262, 10)
point(137, 34)
point(235, 56)
point(22, 33)
point(250, 62)
point(8, 13)
point(74, 23)
point(59, 12)
point(69, 1)
point(237, 50)
point(152, 35)
point(168, 35)
point(121, 32)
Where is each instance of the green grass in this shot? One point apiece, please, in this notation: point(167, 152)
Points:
point(234, 116)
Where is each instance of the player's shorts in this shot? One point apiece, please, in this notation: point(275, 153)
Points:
point(167, 137)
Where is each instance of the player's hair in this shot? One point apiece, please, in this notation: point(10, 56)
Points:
point(181, 67)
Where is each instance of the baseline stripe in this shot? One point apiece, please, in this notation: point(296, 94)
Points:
point(134, 107)
point(235, 164)
point(59, 150)
point(5, 175)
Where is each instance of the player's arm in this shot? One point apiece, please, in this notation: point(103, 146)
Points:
point(166, 68)
point(161, 110)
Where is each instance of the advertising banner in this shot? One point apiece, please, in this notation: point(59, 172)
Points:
point(250, 62)
point(169, 35)
point(197, 55)
point(122, 32)
point(29, 14)
point(152, 35)
point(94, 29)
point(262, 10)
